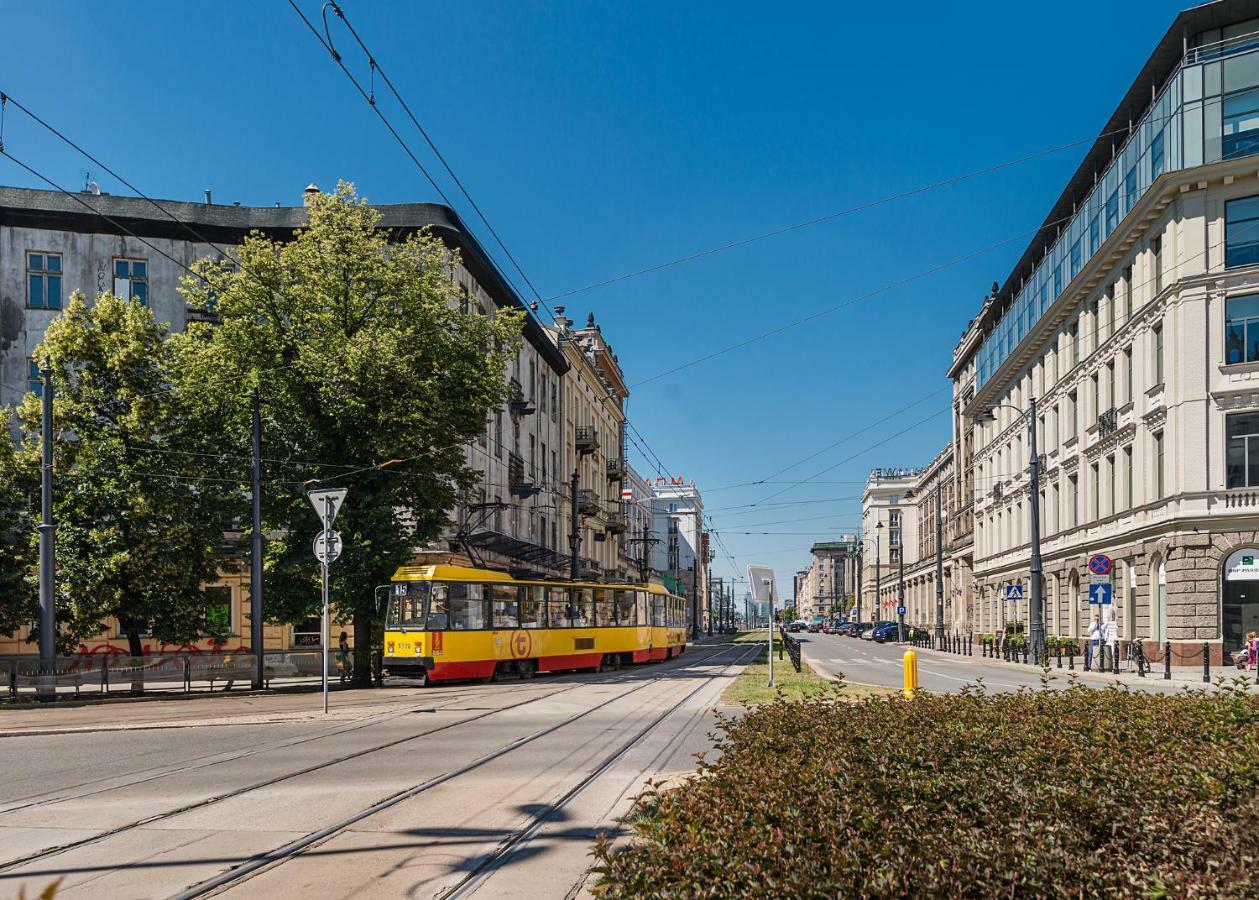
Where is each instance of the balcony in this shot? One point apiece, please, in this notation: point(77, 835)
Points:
point(588, 569)
point(615, 469)
point(517, 481)
point(1107, 423)
point(588, 503)
point(586, 439)
point(615, 521)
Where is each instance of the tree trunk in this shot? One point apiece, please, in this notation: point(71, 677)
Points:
point(362, 677)
point(137, 659)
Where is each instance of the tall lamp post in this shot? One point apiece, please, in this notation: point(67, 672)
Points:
point(878, 574)
point(1036, 600)
point(900, 593)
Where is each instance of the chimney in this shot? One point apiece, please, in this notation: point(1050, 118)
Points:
point(207, 197)
point(309, 194)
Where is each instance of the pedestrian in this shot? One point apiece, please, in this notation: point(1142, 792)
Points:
point(344, 665)
point(1252, 650)
point(1094, 644)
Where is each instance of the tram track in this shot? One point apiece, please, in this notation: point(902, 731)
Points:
point(263, 862)
point(51, 852)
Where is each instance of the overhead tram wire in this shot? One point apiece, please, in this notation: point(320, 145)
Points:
point(375, 62)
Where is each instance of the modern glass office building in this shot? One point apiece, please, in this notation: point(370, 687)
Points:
point(1206, 111)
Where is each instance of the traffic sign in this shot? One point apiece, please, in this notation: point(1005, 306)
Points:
point(1100, 564)
point(327, 503)
point(1014, 592)
point(1101, 593)
point(329, 551)
point(900, 610)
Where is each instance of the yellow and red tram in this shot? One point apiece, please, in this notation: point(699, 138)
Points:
point(450, 622)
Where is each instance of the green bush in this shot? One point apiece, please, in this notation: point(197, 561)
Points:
point(1052, 793)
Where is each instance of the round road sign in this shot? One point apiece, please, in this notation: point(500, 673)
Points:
point(329, 553)
point(1099, 564)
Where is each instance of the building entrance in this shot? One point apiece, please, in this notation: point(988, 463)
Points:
point(1240, 607)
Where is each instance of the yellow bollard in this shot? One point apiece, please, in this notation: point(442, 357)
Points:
point(911, 675)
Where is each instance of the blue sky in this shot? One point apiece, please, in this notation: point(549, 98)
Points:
point(603, 138)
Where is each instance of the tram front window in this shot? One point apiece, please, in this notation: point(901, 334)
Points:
point(407, 610)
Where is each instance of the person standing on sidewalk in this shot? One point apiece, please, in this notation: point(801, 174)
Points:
point(1094, 644)
point(1110, 633)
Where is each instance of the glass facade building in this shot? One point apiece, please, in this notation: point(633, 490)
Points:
point(1207, 111)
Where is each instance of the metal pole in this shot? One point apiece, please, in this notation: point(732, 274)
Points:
point(574, 532)
point(771, 633)
point(255, 550)
point(1036, 606)
point(900, 595)
point(708, 599)
point(695, 580)
point(878, 580)
point(327, 544)
point(939, 569)
point(860, 553)
point(47, 546)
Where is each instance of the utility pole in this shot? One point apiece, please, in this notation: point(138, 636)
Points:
point(255, 550)
point(860, 554)
point(574, 531)
point(47, 549)
point(878, 574)
point(939, 568)
point(900, 594)
point(1036, 606)
point(695, 550)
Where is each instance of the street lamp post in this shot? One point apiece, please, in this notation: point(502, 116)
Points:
point(900, 596)
point(1036, 599)
point(878, 573)
point(939, 570)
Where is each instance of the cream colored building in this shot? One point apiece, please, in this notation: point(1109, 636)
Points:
point(954, 562)
point(828, 587)
point(1133, 322)
point(889, 529)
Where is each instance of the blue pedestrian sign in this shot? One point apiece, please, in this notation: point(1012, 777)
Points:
point(900, 610)
point(1101, 593)
point(1014, 592)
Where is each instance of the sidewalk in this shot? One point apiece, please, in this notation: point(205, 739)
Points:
point(1188, 676)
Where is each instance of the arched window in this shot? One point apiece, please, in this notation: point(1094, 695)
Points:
point(1073, 604)
point(1129, 629)
point(1158, 600)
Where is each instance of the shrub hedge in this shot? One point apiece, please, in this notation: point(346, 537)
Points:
point(1051, 793)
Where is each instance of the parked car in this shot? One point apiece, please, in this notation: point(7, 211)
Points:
point(886, 631)
point(814, 627)
point(868, 634)
point(795, 627)
point(859, 629)
point(845, 628)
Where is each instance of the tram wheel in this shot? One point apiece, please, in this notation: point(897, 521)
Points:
point(612, 661)
point(424, 678)
point(527, 668)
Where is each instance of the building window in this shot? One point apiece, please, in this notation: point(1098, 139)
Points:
point(1111, 486)
point(1157, 337)
point(1156, 252)
point(1130, 189)
point(1095, 234)
point(1127, 374)
point(34, 379)
point(43, 280)
point(1241, 232)
point(131, 280)
point(1075, 259)
point(1073, 501)
point(1242, 453)
point(1160, 481)
point(1127, 465)
point(1156, 156)
point(1241, 124)
point(1095, 493)
point(1070, 416)
point(1112, 211)
point(218, 611)
point(1241, 329)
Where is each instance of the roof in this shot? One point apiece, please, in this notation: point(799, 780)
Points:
point(224, 224)
point(1160, 65)
point(469, 573)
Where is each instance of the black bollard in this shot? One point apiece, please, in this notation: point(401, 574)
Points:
point(1167, 661)
point(1071, 656)
point(1058, 653)
point(1206, 662)
point(1025, 653)
point(1114, 658)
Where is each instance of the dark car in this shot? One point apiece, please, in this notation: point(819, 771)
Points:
point(845, 628)
point(814, 627)
point(886, 631)
point(859, 629)
point(794, 627)
point(868, 634)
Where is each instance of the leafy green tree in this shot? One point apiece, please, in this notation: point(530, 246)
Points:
point(141, 502)
point(18, 518)
point(370, 377)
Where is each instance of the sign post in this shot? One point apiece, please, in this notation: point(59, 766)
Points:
point(327, 547)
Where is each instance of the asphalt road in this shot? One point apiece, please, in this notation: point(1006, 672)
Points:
point(486, 790)
point(869, 662)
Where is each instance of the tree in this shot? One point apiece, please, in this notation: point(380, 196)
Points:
point(370, 377)
point(141, 501)
point(18, 503)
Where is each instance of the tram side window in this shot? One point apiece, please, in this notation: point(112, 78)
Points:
point(407, 610)
point(558, 607)
point(603, 607)
point(506, 600)
point(457, 607)
point(624, 607)
point(657, 609)
point(533, 606)
point(581, 602)
point(643, 602)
